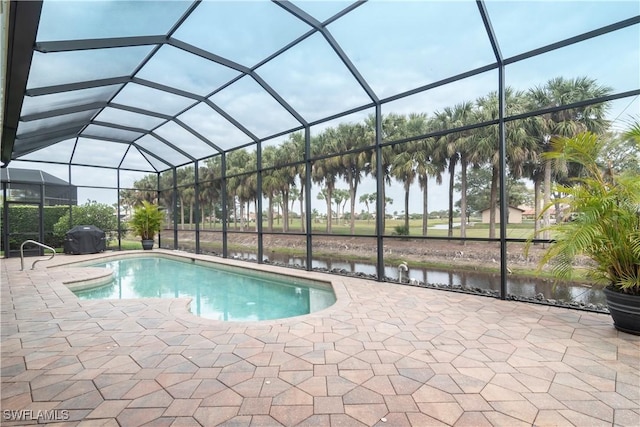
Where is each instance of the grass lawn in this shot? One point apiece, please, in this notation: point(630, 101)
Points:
point(437, 228)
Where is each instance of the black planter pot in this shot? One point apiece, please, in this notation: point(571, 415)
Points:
point(625, 311)
point(147, 244)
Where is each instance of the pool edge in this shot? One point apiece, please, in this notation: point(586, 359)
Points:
point(180, 307)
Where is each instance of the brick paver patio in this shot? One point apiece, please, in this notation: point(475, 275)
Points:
point(384, 355)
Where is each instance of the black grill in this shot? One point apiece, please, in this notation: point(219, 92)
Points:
point(84, 239)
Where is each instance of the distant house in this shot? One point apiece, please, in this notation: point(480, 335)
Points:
point(513, 217)
point(528, 213)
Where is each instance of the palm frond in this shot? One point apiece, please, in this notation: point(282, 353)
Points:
point(606, 226)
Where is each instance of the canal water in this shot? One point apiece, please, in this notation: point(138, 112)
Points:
point(518, 286)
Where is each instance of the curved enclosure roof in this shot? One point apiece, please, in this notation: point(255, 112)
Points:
point(151, 85)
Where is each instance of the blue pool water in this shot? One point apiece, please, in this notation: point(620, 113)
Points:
point(229, 294)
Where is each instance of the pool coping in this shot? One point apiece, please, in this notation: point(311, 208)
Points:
point(180, 307)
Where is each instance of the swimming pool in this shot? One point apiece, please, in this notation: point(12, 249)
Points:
point(225, 293)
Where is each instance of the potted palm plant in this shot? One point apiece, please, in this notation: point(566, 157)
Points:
point(603, 207)
point(146, 222)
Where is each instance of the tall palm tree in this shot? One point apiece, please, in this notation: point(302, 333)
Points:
point(286, 156)
point(239, 162)
point(294, 194)
point(520, 147)
point(325, 170)
point(414, 161)
point(185, 178)
point(340, 196)
point(451, 146)
point(368, 199)
point(296, 144)
point(270, 183)
point(427, 165)
point(565, 123)
point(210, 189)
point(463, 116)
point(352, 165)
point(393, 128)
point(404, 170)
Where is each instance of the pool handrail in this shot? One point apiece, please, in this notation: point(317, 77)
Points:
point(42, 245)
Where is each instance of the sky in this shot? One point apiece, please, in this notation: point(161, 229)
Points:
point(395, 46)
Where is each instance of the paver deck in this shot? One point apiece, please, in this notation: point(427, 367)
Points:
point(384, 354)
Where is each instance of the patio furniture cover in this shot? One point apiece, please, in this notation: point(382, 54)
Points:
point(84, 239)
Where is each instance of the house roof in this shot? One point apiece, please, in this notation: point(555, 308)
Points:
point(29, 176)
point(510, 207)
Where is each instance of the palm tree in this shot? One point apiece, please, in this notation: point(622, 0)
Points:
point(294, 194)
point(565, 123)
point(393, 127)
point(146, 189)
point(185, 177)
point(239, 162)
point(451, 146)
point(403, 169)
point(324, 171)
point(427, 166)
point(463, 114)
point(368, 200)
point(128, 199)
point(606, 227)
point(285, 175)
point(409, 157)
point(520, 147)
point(210, 186)
point(187, 198)
point(634, 132)
point(270, 183)
point(340, 196)
point(296, 144)
point(350, 137)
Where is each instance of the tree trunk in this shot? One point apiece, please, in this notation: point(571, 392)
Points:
point(285, 211)
point(302, 214)
point(255, 208)
point(425, 209)
point(536, 207)
point(546, 217)
point(352, 194)
point(242, 224)
point(329, 203)
point(235, 213)
point(384, 209)
point(406, 208)
point(181, 213)
point(493, 202)
point(463, 198)
point(452, 170)
point(270, 214)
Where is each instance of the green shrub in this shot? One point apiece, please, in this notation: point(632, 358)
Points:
point(401, 230)
point(100, 215)
point(27, 218)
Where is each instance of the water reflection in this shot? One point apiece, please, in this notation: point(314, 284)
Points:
point(523, 287)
